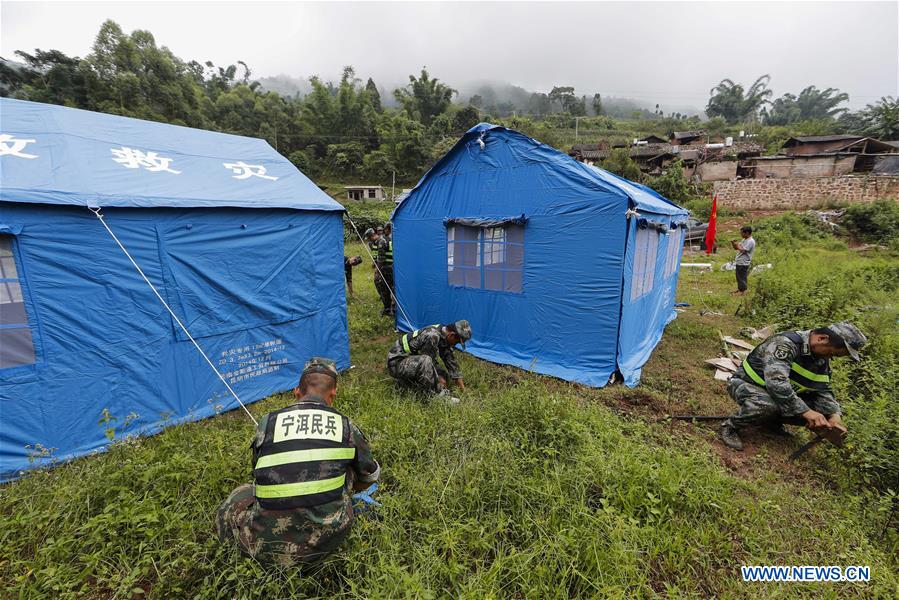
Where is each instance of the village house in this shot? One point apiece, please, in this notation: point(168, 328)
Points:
point(825, 156)
point(364, 192)
point(687, 138)
point(820, 144)
point(702, 161)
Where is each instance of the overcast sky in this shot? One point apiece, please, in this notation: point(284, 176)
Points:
point(666, 52)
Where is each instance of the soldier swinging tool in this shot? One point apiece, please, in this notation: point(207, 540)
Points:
point(786, 380)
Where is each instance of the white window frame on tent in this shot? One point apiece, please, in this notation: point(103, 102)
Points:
point(675, 243)
point(488, 258)
point(646, 250)
point(16, 329)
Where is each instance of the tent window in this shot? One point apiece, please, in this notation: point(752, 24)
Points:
point(647, 249)
point(491, 258)
point(675, 242)
point(16, 344)
point(463, 256)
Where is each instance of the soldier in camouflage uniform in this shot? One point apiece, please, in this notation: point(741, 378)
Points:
point(307, 461)
point(786, 380)
point(377, 245)
point(384, 261)
point(412, 361)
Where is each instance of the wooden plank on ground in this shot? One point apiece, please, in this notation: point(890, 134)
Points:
point(721, 375)
point(722, 363)
point(738, 343)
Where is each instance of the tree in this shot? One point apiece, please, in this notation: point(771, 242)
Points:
point(345, 159)
point(736, 104)
point(563, 96)
point(377, 166)
point(50, 77)
point(302, 160)
point(539, 104)
point(882, 119)
point(374, 95)
point(477, 101)
point(405, 142)
point(811, 103)
point(466, 118)
point(425, 98)
point(597, 104)
point(672, 184)
point(578, 108)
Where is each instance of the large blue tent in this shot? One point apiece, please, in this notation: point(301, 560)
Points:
point(560, 267)
point(242, 246)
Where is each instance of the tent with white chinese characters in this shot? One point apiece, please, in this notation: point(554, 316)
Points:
point(560, 267)
point(246, 251)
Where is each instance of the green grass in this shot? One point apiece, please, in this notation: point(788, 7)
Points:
point(531, 488)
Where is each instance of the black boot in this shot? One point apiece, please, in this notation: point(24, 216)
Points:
point(729, 435)
point(778, 429)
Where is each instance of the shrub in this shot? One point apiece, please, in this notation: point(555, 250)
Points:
point(621, 164)
point(365, 215)
point(877, 222)
point(789, 230)
point(303, 160)
point(672, 183)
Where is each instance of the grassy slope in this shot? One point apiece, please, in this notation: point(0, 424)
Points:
point(532, 488)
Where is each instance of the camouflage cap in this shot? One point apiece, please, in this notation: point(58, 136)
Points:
point(463, 328)
point(317, 364)
point(851, 336)
point(368, 232)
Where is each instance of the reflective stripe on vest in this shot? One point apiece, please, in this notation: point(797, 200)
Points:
point(296, 456)
point(405, 338)
point(801, 378)
point(388, 255)
point(303, 488)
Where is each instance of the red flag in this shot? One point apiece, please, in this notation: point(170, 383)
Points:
point(710, 232)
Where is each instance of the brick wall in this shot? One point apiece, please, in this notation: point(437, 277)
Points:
point(786, 194)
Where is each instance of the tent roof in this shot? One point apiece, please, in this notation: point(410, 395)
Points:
point(642, 197)
point(56, 155)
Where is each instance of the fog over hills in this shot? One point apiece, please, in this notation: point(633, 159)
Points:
point(492, 93)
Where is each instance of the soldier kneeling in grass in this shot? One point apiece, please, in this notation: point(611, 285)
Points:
point(412, 361)
point(786, 380)
point(307, 461)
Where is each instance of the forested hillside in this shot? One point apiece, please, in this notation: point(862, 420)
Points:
point(345, 130)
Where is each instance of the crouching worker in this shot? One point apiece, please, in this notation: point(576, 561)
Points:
point(786, 380)
point(307, 461)
point(412, 361)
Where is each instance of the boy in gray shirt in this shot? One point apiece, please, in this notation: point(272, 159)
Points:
point(745, 249)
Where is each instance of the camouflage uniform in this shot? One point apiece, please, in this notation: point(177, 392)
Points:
point(294, 536)
point(419, 368)
point(778, 402)
point(383, 253)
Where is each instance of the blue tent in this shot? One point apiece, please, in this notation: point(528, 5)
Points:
point(245, 249)
point(560, 267)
